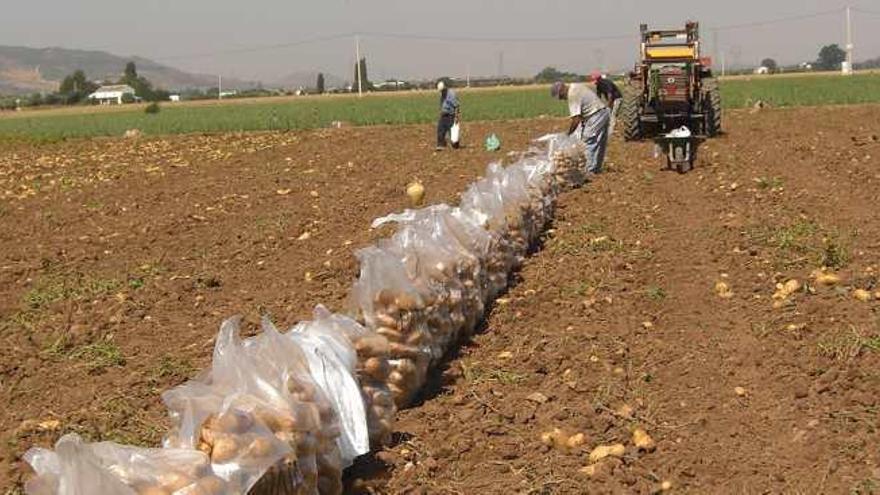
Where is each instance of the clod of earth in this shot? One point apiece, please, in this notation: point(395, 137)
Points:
point(625, 411)
point(538, 397)
point(557, 439)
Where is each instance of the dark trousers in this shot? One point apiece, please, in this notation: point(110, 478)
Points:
point(444, 125)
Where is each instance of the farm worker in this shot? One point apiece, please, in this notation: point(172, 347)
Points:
point(590, 115)
point(450, 114)
point(608, 91)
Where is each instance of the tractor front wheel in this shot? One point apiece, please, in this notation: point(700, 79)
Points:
point(631, 117)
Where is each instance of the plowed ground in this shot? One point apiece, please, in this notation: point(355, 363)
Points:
point(118, 260)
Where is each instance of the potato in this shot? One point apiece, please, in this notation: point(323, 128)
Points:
point(390, 334)
point(209, 485)
point(260, 447)
point(603, 451)
point(376, 368)
point(387, 321)
point(384, 297)
point(396, 378)
point(225, 449)
point(407, 302)
point(154, 490)
point(404, 351)
point(205, 447)
point(234, 422)
point(862, 295)
point(174, 481)
point(643, 441)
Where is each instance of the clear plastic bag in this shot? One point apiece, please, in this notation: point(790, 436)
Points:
point(77, 468)
point(393, 303)
point(569, 155)
point(332, 361)
point(260, 389)
point(450, 253)
point(371, 369)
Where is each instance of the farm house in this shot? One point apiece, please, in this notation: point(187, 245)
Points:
point(109, 95)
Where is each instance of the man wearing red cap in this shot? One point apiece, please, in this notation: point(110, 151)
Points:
point(590, 116)
point(608, 91)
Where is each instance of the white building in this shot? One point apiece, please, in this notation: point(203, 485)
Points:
point(107, 95)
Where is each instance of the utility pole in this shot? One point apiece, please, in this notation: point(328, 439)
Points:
point(468, 75)
point(848, 67)
point(219, 87)
point(357, 54)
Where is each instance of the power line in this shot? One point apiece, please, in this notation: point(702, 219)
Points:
point(779, 20)
point(502, 39)
point(866, 12)
point(258, 48)
point(489, 39)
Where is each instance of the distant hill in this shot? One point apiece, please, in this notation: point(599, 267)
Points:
point(25, 70)
point(307, 80)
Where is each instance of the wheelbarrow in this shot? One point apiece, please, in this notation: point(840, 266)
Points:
point(680, 148)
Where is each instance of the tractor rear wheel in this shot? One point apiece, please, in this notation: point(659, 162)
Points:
point(712, 102)
point(631, 117)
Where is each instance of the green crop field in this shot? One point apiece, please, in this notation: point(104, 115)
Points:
point(376, 109)
point(801, 91)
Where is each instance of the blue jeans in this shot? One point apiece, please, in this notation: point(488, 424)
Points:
point(595, 135)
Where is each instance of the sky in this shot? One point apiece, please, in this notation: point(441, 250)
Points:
point(267, 39)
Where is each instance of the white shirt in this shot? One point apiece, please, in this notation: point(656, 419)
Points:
point(583, 101)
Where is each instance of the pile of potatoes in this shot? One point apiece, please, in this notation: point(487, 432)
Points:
point(570, 160)
point(372, 372)
point(113, 469)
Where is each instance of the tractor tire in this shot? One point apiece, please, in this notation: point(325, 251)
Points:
point(712, 100)
point(631, 117)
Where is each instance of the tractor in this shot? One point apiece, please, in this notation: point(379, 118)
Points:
point(670, 89)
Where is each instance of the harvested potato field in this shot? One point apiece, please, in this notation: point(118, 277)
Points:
point(674, 333)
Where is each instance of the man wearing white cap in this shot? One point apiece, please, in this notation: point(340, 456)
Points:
point(590, 116)
point(450, 114)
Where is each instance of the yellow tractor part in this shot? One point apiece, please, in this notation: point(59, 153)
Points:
point(678, 52)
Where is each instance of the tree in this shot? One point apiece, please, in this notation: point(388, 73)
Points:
point(131, 72)
point(363, 73)
point(770, 64)
point(76, 87)
point(830, 57)
point(142, 87)
point(319, 86)
point(551, 74)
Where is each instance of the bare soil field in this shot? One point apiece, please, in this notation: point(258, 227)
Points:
point(651, 304)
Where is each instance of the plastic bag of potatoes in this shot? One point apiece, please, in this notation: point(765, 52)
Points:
point(568, 154)
point(260, 389)
point(396, 305)
point(449, 251)
point(332, 362)
point(371, 368)
point(78, 468)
